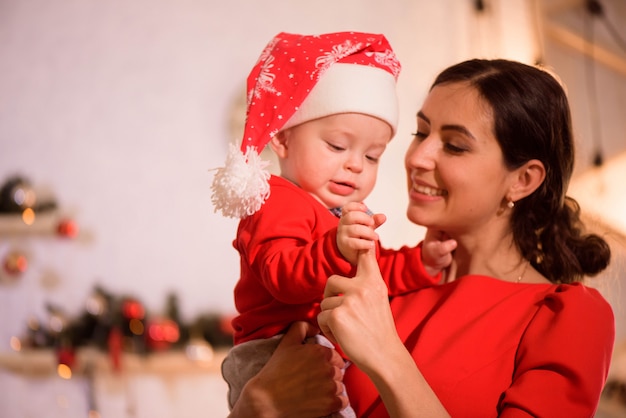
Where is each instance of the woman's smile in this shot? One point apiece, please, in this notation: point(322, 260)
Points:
point(429, 191)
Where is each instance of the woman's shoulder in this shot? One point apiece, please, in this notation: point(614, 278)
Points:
point(577, 297)
point(571, 336)
point(575, 309)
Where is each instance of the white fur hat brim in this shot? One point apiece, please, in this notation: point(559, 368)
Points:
point(350, 88)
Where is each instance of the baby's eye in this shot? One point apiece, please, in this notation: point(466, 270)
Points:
point(372, 158)
point(335, 147)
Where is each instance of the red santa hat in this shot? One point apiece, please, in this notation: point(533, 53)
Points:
point(299, 78)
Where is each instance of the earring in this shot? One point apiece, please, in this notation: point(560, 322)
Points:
point(510, 204)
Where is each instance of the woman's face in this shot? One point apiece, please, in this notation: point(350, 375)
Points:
point(456, 176)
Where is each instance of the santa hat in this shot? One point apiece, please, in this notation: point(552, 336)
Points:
point(299, 78)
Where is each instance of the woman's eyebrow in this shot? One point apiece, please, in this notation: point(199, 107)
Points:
point(458, 128)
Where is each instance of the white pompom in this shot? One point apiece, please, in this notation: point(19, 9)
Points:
point(242, 185)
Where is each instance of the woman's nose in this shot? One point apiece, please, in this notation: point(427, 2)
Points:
point(422, 154)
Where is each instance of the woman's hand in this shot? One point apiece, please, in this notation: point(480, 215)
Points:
point(299, 380)
point(356, 313)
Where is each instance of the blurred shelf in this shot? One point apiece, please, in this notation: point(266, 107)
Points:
point(43, 362)
point(39, 363)
point(610, 408)
point(45, 224)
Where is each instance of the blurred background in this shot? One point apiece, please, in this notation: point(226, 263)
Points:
point(112, 116)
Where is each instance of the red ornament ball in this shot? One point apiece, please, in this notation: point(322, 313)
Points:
point(133, 309)
point(67, 228)
point(15, 263)
point(162, 333)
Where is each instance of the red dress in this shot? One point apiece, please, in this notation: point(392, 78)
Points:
point(491, 348)
point(287, 252)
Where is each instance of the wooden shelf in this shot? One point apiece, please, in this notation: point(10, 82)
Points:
point(45, 224)
point(43, 362)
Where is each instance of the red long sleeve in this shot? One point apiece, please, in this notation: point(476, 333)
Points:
point(288, 250)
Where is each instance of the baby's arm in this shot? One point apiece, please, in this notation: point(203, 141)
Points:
point(437, 254)
point(356, 230)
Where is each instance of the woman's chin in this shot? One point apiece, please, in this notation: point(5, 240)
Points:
point(417, 216)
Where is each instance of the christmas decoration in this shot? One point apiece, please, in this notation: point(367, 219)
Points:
point(162, 333)
point(15, 263)
point(17, 195)
point(67, 356)
point(67, 228)
point(118, 324)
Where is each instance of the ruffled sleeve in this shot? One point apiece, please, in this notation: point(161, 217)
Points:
point(563, 357)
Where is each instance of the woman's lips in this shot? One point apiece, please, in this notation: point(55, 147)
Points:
point(429, 191)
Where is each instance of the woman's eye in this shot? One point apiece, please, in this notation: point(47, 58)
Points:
point(420, 136)
point(453, 148)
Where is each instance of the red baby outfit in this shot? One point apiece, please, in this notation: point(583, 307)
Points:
point(288, 250)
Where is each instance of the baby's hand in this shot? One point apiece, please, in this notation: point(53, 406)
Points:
point(356, 230)
point(437, 251)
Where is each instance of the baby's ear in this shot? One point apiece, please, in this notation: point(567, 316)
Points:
point(279, 143)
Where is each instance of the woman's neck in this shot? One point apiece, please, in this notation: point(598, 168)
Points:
point(500, 259)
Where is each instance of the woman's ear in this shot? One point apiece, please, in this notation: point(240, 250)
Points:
point(528, 179)
point(279, 143)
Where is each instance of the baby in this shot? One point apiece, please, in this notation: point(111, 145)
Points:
point(327, 106)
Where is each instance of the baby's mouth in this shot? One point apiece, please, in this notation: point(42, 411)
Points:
point(340, 183)
point(342, 188)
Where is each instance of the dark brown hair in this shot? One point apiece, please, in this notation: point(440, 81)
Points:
point(532, 121)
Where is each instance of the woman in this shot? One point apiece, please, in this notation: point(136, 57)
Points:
point(517, 333)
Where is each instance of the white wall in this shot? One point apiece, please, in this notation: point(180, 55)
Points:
point(120, 108)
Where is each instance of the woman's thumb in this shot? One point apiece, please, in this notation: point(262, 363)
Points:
point(366, 262)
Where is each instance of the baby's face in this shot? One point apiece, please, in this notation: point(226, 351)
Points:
point(334, 158)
